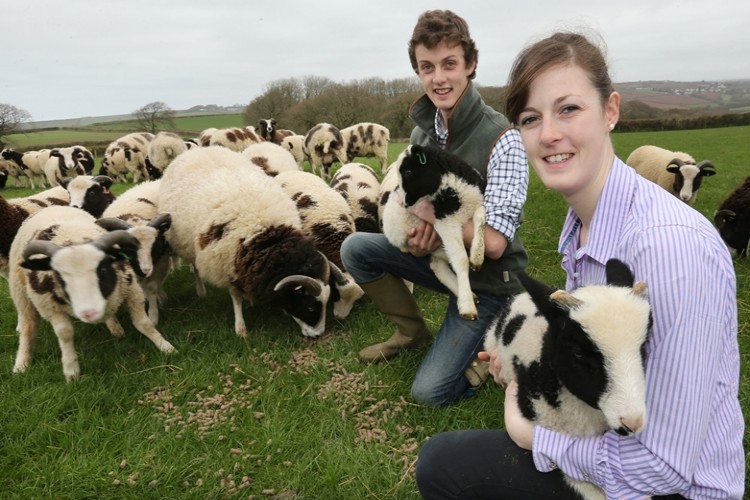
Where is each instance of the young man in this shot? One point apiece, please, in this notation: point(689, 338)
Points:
point(453, 116)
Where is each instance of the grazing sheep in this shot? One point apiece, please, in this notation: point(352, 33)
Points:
point(367, 140)
point(327, 220)
point(31, 163)
point(15, 211)
point(359, 186)
point(674, 171)
point(137, 211)
point(270, 157)
point(577, 357)
point(325, 145)
point(240, 230)
point(163, 148)
point(269, 132)
point(455, 190)
point(127, 156)
point(733, 220)
point(90, 193)
point(84, 273)
point(68, 162)
point(295, 144)
point(234, 138)
point(12, 169)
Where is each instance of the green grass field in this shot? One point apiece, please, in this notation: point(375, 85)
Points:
point(277, 414)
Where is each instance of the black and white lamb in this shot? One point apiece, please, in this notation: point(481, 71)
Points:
point(90, 193)
point(676, 172)
point(364, 140)
point(455, 190)
point(127, 156)
point(240, 230)
point(63, 266)
point(325, 145)
point(137, 211)
point(578, 357)
point(732, 219)
point(360, 187)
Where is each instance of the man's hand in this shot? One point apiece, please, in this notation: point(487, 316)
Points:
point(423, 239)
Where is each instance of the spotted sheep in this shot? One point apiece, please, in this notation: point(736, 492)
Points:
point(126, 156)
point(455, 190)
point(241, 231)
point(295, 144)
point(327, 220)
point(269, 132)
point(578, 357)
point(30, 164)
point(163, 148)
point(325, 145)
point(234, 138)
point(360, 187)
point(67, 162)
point(270, 157)
point(15, 211)
point(64, 266)
point(676, 172)
point(365, 140)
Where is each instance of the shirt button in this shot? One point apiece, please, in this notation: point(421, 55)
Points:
point(553, 465)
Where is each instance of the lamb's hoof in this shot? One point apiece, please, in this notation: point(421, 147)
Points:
point(470, 316)
point(475, 267)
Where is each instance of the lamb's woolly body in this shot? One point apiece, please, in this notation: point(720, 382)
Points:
point(16, 210)
point(271, 158)
point(164, 148)
point(732, 219)
point(234, 138)
point(325, 145)
point(367, 140)
point(72, 287)
point(652, 161)
point(295, 144)
point(360, 187)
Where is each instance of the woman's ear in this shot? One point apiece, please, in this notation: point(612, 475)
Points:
point(612, 112)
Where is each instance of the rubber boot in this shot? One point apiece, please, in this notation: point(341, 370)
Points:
point(393, 298)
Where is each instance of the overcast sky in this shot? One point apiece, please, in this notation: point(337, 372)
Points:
point(70, 59)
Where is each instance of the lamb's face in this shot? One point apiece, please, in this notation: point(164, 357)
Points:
point(417, 176)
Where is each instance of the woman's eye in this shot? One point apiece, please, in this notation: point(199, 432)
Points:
point(569, 108)
point(527, 120)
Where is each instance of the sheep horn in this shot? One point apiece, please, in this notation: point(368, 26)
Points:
point(707, 168)
point(309, 284)
point(327, 270)
point(112, 223)
point(162, 222)
point(565, 300)
point(722, 216)
point(43, 247)
point(102, 180)
point(338, 276)
point(119, 237)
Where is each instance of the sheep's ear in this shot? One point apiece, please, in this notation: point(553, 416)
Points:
point(640, 289)
point(540, 294)
point(565, 300)
point(618, 273)
point(722, 217)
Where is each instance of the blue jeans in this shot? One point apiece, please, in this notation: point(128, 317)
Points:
point(440, 379)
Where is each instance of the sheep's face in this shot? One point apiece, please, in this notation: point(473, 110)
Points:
point(735, 231)
point(688, 178)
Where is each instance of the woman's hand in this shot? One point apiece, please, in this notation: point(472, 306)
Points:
point(423, 239)
point(496, 369)
point(520, 430)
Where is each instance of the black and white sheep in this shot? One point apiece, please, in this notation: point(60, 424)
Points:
point(364, 140)
point(676, 172)
point(732, 219)
point(295, 144)
point(90, 193)
point(31, 163)
point(15, 211)
point(67, 162)
point(325, 145)
point(360, 187)
point(270, 157)
point(83, 273)
point(12, 169)
point(163, 148)
point(137, 211)
point(327, 219)
point(241, 231)
point(126, 156)
point(234, 138)
point(455, 190)
point(269, 132)
point(577, 357)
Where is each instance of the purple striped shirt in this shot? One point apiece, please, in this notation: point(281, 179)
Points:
point(692, 443)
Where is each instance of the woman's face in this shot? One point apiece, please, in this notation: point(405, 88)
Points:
point(444, 74)
point(565, 130)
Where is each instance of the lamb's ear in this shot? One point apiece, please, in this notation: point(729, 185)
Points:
point(618, 273)
point(564, 300)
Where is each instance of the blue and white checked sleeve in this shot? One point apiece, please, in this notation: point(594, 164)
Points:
point(507, 183)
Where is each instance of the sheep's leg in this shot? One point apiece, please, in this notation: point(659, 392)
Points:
point(444, 273)
point(143, 324)
point(114, 326)
point(200, 287)
point(151, 290)
point(28, 326)
point(459, 261)
point(350, 292)
point(239, 321)
point(476, 252)
point(63, 327)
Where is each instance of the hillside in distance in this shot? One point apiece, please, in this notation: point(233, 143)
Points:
point(728, 95)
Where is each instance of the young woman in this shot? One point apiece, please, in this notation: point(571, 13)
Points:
point(561, 99)
point(453, 116)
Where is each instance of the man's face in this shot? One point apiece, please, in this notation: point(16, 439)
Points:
point(444, 74)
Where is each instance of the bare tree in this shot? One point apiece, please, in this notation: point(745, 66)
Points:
point(154, 116)
point(10, 118)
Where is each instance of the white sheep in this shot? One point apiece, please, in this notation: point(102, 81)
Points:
point(360, 187)
point(295, 144)
point(240, 230)
point(270, 157)
point(67, 162)
point(327, 219)
point(676, 172)
point(137, 211)
point(15, 211)
point(366, 140)
point(163, 148)
point(455, 190)
point(325, 145)
point(577, 357)
point(83, 273)
point(234, 138)
point(31, 163)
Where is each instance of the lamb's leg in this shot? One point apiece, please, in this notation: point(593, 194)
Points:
point(142, 322)
point(476, 252)
point(63, 327)
point(114, 326)
point(239, 320)
point(459, 261)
